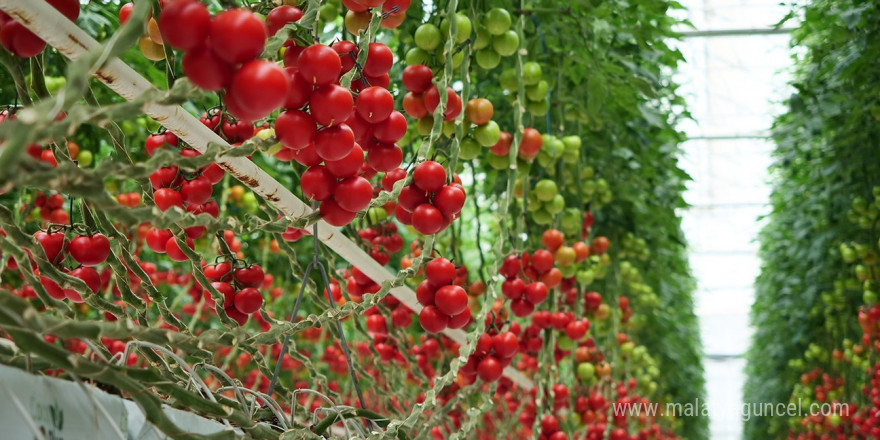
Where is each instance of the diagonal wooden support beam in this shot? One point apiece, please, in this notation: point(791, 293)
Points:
point(71, 41)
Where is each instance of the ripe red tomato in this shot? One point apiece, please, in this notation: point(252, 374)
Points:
point(90, 250)
point(391, 177)
point(530, 144)
point(157, 239)
point(298, 90)
point(184, 24)
point(349, 165)
point(90, 276)
point(307, 156)
point(513, 288)
point(233, 313)
point(331, 104)
point(414, 105)
point(248, 300)
point(432, 320)
point(165, 198)
point(280, 16)
point(197, 191)
point(375, 104)
point(392, 129)
point(450, 200)
point(502, 147)
point(125, 12)
point(317, 183)
point(385, 156)
point(411, 197)
point(536, 292)
point(347, 51)
point(52, 288)
point(451, 300)
point(505, 344)
point(440, 272)
point(334, 143)
point(225, 289)
point(353, 193)
point(251, 276)
point(206, 69)
point(237, 35)
point(319, 64)
point(489, 369)
point(417, 78)
point(20, 41)
point(460, 320)
point(295, 129)
point(453, 102)
point(428, 220)
point(219, 272)
point(542, 260)
point(379, 60)
point(53, 244)
point(333, 214)
point(425, 293)
point(259, 88)
point(68, 8)
point(173, 250)
point(165, 177)
point(377, 324)
point(429, 176)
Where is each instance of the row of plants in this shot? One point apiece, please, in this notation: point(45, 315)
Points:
point(815, 335)
point(523, 183)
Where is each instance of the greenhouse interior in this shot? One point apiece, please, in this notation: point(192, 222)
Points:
point(322, 219)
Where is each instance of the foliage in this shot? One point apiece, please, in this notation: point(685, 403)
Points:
point(826, 155)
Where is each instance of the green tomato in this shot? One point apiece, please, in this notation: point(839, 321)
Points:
point(469, 148)
point(556, 205)
point(488, 134)
point(508, 80)
point(585, 277)
point(497, 21)
point(428, 37)
point(457, 59)
point(572, 142)
point(538, 91)
point(568, 271)
point(483, 38)
point(546, 190)
point(564, 343)
point(449, 128)
point(274, 148)
point(85, 158)
point(328, 12)
point(542, 217)
point(571, 156)
point(55, 83)
point(417, 56)
point(377, 214)
point(586, 372)
point(488, 59)
point(532, 73)
point(537, 108)
point(498, 162)
point(534, 203)
point(627, 348)
point(869, 296)
point(463, 30)
point(425, 125)
point(507, 43)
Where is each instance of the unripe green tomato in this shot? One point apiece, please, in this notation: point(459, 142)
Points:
point(469, 148)
point(572, 142)
point(488, 134)
point(377, 214)
point(508, 80)
point(328, 12)
point(627, 348)
point(538, 91)
point(538, 108)
point(463, 28)
point(556, 205)
point(483, 38)
point(869, 297)
point(457, 59)
point(449, 128)
point(571, 156)
point(488, 58)
point(575, 418)
point(585, 277)
point(425, 125)
point(568, 271)
point(112, 186)
point(534, 203)
point(85, 158)
point(542, 217)
point(428, 37)
point(532, 73)
point(506, 44)
point(55, 83)
point(498, 162)
point(417, 56)
point(564, 343)
point(544, 159)
point(586, 371)
point(546, 190)
point(497, 21)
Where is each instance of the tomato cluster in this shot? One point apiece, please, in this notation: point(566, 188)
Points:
point(446, 304)
point(358, 16)
point(174, 188)
point(86, 250)
point(429, 204)
point(23, 43)
point(494, 351)
point(239, 284)
point(424, 97)
point(383, 240)
point(524, 297)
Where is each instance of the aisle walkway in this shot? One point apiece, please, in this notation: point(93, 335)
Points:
point(733, 85)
